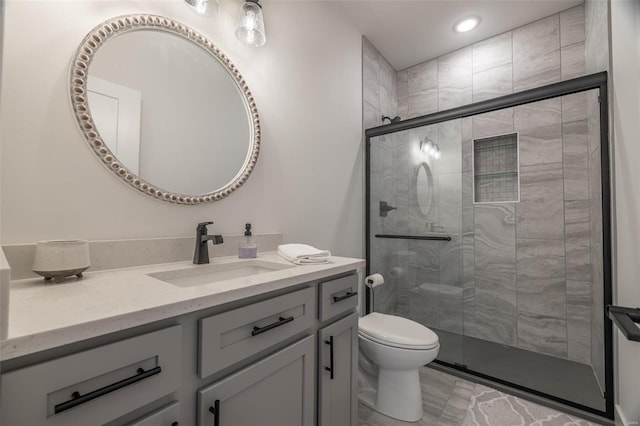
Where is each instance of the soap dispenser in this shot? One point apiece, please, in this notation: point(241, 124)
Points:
point(248, 248)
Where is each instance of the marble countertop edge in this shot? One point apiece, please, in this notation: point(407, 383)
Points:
point(45, 316)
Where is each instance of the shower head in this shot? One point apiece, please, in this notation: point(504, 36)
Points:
point(391, 120)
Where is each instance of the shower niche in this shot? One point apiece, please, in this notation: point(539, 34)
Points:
point(495, 169)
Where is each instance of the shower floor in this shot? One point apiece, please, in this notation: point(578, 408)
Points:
point(565, 379)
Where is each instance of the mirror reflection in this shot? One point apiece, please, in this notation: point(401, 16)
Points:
point(169, 111)
point(423, 187)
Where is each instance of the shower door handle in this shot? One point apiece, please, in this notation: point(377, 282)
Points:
point(625, 319)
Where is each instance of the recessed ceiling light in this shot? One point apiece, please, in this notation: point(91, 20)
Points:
point(467, 24)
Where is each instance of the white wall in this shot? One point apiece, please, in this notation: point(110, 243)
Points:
point(306, 81)
point(625, 55)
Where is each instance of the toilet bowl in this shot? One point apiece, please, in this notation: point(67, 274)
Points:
point(392, 349)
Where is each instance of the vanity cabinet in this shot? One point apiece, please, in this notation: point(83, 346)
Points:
point(276, 391)
point(337, 373)
point(286, 358)
point(338, 352)
point(166, 416)
point(95, 386)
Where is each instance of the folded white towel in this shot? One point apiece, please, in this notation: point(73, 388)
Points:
point(302, 254)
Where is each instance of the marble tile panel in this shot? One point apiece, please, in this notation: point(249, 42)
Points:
point(572, 61)
point(596, 35)
point(449, 202)
point(574, 107)
point(493, 82)
point(575, 159)
point(423, 76)
point(450, 143)
point(536, 53)
point(579, 321)
point(578, 240)
point(495, 238)
point(493, 123)
point(454, 79)
point(422, 102)
point(424, 307)
point(493, 52)
point(468, 260)
point(402, 93)
point(542, 334)
point(451, 309)
point(451, 261)
point(466, 130)
point(469, 314)
point(535, 71)
point(537, 38)
point(370, 115)
point(386, 101)
point(572, 25)
point(496, 311)
point(370, 68)
point(387, 76)
point(467, 203)
point(540, 212)
point(541, 277)
point(539, 125)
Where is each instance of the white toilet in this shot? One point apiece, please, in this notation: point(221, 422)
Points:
point(392, 349)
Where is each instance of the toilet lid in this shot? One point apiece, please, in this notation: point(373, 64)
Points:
point(396, 331)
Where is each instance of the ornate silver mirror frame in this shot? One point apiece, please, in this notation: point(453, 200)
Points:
point(79, 100)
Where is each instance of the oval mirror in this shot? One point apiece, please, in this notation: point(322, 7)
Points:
point(423, 189)
point(165, 109)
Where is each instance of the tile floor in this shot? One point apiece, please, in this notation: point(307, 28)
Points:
point(452, 401)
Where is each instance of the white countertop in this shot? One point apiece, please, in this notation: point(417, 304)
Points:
point(44, 316)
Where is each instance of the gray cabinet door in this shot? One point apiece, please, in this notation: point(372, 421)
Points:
point(338, 380)
point(277, 391)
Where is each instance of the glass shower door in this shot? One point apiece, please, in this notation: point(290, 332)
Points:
point(415, 229)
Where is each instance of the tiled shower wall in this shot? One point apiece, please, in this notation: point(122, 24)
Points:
point(526, 267)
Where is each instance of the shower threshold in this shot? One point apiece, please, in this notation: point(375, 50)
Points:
point(560, 378)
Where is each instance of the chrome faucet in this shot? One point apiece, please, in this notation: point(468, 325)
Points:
point(201, 254)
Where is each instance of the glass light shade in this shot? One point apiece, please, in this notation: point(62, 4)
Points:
point(250, 26)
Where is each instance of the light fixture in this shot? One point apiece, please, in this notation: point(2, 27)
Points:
point(466, 24)
point(199, 5)
point(250, 26)
point(428, 147)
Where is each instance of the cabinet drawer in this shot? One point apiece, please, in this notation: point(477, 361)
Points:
point(94, 386)
point(235, 335)
point(166, 416)
point(337, 296)
point(276, 391)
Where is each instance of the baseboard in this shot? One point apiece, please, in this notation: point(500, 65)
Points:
point(621, 419)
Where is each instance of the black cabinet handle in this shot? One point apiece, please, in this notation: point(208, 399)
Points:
point(77, 399)
point(281, 321)
point(215, 410)
point(330, 369)
point(175, 424)
point(347, 295)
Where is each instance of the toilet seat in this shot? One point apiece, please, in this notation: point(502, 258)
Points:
point(391, 330)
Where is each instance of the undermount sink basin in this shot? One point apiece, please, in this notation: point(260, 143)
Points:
point(207, 274)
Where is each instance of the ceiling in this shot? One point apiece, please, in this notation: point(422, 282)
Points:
point(407, 32)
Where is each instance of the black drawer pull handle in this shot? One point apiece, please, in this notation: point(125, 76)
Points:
point(281, 321)
point(330, 369)
point(77, 399)
point(215, 410)
point(175, 424)
point(347, 295)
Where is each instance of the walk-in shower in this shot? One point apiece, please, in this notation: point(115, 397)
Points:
point(490, 224)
